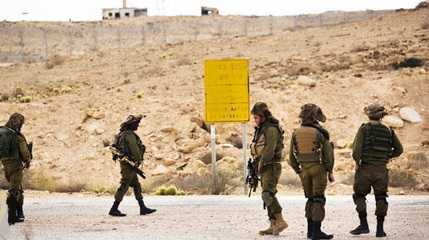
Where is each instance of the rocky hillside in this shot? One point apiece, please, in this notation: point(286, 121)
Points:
point(75, 105)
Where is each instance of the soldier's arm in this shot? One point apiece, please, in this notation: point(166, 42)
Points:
point(133, 148)
point(357, 145)
point(397, 146)
point(23, 149)
point(293, 162)
point(327, 154)
point(271, 136)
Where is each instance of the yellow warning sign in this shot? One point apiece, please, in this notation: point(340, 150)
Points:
point(226, 84)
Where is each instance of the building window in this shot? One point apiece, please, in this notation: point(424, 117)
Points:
point(127, 14)
point(117, 15)
point(110, 14)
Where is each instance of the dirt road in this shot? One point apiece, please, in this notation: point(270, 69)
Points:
point(203, 217)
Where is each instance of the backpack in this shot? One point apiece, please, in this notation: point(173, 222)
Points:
point(8, 142)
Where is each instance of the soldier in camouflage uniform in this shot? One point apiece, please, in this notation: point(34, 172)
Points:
point(374, 145)
point(15, 155)
point(311, 156)
point(129, 144)
point(266, 149)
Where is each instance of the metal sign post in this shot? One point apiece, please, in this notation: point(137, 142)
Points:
point(226, 85)
point(213, 147)
point(244, 137)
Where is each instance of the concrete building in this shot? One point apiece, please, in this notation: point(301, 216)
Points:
point(124, 12)
point(208, 11)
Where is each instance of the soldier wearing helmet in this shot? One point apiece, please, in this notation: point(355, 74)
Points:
point(374, 145)
point(311, 156)
point(129, 144)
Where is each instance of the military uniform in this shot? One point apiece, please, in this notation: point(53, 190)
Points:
point(15, 156)
point(311, 156)
point(374, 145)
point(266, 148)
point(131, 146)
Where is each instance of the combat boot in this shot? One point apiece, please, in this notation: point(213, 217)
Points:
point(363, 226)
point(309, 228)
point(380, 227)
point(114, 211)
point(268, 231)
point(145, 210)
point(279, 224)
point(317, 233)
point(11, 211)
point(20, 211)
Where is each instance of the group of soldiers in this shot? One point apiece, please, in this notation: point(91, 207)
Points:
point(311, 156)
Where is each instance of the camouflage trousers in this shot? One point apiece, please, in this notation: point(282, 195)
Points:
point(314, 180)
point(269, 178)
point(377, 178)
point(13, 171)
point(129, 178)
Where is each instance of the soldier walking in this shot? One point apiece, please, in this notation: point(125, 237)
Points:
point(15, 155)
point(312, 158)
point(266, 149)
point(128, 143)
point(374, 145)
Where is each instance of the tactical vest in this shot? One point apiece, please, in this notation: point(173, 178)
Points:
point(258, 142)
point(8, 144)
point(377, 143)
point(307, 144)
point(119, 143)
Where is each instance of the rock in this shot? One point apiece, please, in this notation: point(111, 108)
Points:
point(421, 187)
point(207, 157)
point(358, 75)
point(235, 140)
point(4, 97)
point(341, 144)
point(393, 121)
point(410, 115)
point(422, 5)
point(417, 160)
point(160, 170)
point(106, 142)
point(425, 143)
point(18, 92)
point(168, 162)
point(306, 81)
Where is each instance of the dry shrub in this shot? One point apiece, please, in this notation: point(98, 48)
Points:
point(402, 178)
point(54, 60)
point(184, 61)
point(202, 184)
point(169, 191)
point(37, 180)
point(150, 184)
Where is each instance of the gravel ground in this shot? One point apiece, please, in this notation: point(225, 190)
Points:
point(61, 216)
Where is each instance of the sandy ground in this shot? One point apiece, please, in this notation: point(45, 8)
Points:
point(78, 216)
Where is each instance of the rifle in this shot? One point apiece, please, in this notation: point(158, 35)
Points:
point(252, 178)
point(117, 155)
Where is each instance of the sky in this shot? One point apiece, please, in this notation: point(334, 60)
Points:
point(84, 10)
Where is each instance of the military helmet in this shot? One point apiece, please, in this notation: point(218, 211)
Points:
point(311, 113)
point(375, 111)
point(132, 119)
point(15, 122)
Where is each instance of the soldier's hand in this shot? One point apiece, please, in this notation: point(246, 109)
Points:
point(331, 177)
point(27, 165)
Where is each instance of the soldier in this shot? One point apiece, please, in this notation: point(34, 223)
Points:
point(266, 149)
point(15, 155)
point(312, 158)
point(129, 144)
point(373, 147)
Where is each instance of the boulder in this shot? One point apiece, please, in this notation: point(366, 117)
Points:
point(306, 81)
point(393, 121)
point(410, 115)
point(235, 140)
point(160, 170)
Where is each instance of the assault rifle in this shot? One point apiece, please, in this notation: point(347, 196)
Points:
point(117, 155)
point(252, 178)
